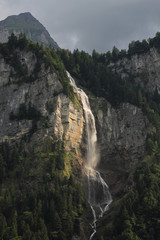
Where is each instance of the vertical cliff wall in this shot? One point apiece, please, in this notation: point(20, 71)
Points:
point(37, 109)
point(143, 68)
point(122, 136)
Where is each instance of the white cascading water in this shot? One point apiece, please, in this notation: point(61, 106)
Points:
point(99, 196)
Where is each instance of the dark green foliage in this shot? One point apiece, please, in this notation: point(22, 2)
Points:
point(137, 47)
point(155, 42)
point(92, 73)
point(37, 200)
point(11, 56)
point(115, 54)
point(137, 214)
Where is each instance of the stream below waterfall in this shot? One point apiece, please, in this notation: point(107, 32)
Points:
point(99, 196)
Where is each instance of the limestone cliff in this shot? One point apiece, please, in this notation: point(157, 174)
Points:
point(143, 68)
point(122, 134)
point(36, 109)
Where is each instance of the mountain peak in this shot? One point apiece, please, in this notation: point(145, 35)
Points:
point(25, 14)
point(27, 24)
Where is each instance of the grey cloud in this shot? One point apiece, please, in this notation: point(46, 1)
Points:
point(91, 24)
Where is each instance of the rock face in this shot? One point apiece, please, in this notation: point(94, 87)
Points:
point(25, 23)
point(68, 122)
point(37, 109)
point(143, 68)
point(121, 135)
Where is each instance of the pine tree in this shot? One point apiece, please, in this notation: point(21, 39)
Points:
point(2, 168)
point(57, 222)
point(3, 226)
point(43, 230)
point(27, 234)
point(14, 229)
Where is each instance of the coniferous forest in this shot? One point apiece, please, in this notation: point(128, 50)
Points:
point(39, 199)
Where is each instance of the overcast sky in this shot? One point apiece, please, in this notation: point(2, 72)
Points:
point(91, 24)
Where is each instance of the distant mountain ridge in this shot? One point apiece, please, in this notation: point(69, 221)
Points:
point(27, 24)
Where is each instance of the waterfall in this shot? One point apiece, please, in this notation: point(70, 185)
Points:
point(99, 196)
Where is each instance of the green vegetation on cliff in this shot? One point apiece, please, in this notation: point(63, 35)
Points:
point(39, 196)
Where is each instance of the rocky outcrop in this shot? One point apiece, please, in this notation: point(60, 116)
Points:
point(122, 134)
point(37, 109)
point(68, 122)
point(144, 69)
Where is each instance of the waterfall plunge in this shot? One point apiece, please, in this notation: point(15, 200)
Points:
point(92, 153)
point(99, 196)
